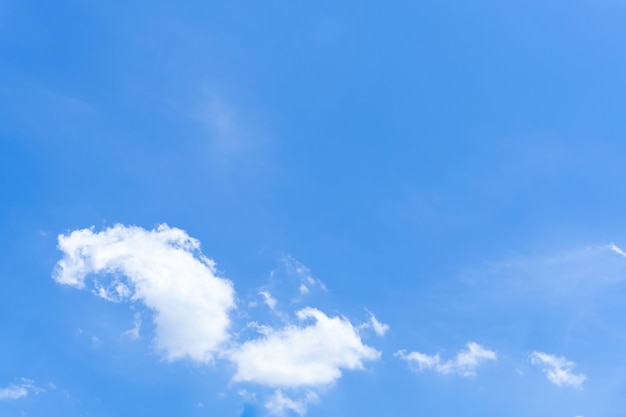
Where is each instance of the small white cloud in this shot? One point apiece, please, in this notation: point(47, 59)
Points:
point(379, 328)
point(162, 268)
point(302, 355)
point(280, 404)
point(19, 389)
point(303, 289)
point(558, 370)
point(268, 299)
point(465, 362)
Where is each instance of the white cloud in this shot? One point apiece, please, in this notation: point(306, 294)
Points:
point(558, 370)
point(617, 250)
point(465, 362)
point(279, 404)
point(268, 299)
point(162, 268)
point(19, 389)
point(379, 328)
point(302, 355)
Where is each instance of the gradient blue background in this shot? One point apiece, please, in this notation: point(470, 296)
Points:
point(426, 160)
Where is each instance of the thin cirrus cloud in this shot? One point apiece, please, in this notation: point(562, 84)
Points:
point(465, 362)
point(558, 370)
point(302, 355)
point(162, 268)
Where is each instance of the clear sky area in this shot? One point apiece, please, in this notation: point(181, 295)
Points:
point(282, 208)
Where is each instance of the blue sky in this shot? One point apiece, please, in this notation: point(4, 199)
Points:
point(333, 208)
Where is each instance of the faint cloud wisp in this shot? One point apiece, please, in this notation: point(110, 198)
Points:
point(464, 364)
point(558, 370)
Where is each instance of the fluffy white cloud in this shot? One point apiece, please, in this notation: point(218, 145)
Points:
point(280, 404)
point(302, 355)
point(465, 362)
point(162, 268)
point(558, 370)
point(18, 389)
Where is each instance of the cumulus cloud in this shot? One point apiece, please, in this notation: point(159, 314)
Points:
point(558, 370)
point(162, 268)
point(303, 355)
point(19, 389)
point(280, 404)
point(465, 362)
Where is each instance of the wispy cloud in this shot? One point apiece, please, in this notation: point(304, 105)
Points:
point(133, 333)
point(303, 274)
point(268, 299)
point(617, 249)
point(19, 389)
point(561, 275)
point(465, 362)
point(280, 404)
point(558, 370)
point(379, 328)
point(235, 139)
point(162, 268)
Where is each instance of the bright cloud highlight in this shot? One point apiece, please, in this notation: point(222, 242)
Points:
point(164, 269)
point(465, 362)
point(558, 370)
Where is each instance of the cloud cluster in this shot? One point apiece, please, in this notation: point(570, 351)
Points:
point(558, 370)
point(164, 270)
point(465, 362)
